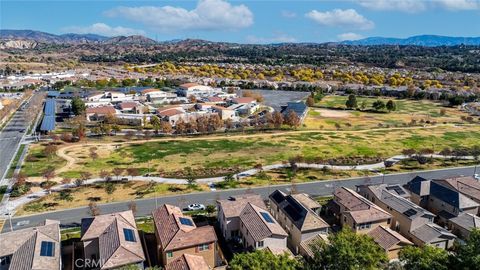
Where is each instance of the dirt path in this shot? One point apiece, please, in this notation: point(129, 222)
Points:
point(71, 161)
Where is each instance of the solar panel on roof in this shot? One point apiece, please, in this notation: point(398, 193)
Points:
point(267, 217)
point(410, 212)
point(47, 249)
point(129, 235)
point(292, 212)
point(186, 221)
point(278, 197)
point(48, 123)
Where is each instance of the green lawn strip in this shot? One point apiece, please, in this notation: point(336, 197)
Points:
point(14, 163)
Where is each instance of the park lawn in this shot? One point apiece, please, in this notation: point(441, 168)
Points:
point(36, 163)
point(244, 153)
point(331, 114)
point(82, 196)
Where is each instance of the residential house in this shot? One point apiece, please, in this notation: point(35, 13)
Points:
point(467, 185)
point(244, 105)
point(99, 113)
point(35, 248)
point(409, 219)
point(188, 262)
point(112, 240)
point(129, 107)
point(464, 224)
point(391, 241)
point(356, 212)
point(259, 230)
point(157, 96)
point(177, 235)
point(298, 216)
point(440, 199)
point(229, 210)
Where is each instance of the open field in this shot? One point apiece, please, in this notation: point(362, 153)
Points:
point(171, 155)
point(331, 114)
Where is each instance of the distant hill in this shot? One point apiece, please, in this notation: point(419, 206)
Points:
point(137, 39)
point(423, 40)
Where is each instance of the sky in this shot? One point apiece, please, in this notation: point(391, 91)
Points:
point(247, 21)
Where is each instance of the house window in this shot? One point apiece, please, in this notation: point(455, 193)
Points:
point(203, 247)
point(170, 254)
point(47, 249)
point(260, 244)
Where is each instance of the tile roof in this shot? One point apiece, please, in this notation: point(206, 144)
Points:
point(359, 208)
point(387, 238)
point(243, 100)
point(188, 85)
point(128, 105)
point(25, 246)
point(101, 110)
point(467, 221)
point(468, 186)
point(233, 206)
point(257, 226)
point(188, 262)
point(450, 196)
point(302, 216)
point(169, 111)
point(402, 205)
point(173, 234)
point(150, 90)
point(114, 249)
point(430, 232)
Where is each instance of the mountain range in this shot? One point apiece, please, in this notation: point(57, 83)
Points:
point(423, 40)
point(43, 37)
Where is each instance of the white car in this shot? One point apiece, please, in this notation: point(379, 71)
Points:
point(477, 176)
point(195, 207)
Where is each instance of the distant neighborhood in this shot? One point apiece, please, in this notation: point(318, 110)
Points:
point(424, 212)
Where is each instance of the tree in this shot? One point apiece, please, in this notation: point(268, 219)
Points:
point(409, 152)
point(78, 106)
point(351, 102)
point(156, 123)
point(104, 174)
point(378, 105)
point(391, 106)
point(468, 255)
point(424, 258)
point(85, 175)
point(133, 172)
point(48, 174)
point(363, 105)
point(292, 119)
point(93, 209)
point(132, 206)
point(277, 119)
point(66, 180)
point(210, 209)
point(166, 127)
point(110, 188)
point(50, 150)
point(117, 172)
point(310, 101)
point(262, 260)
point(347, 250)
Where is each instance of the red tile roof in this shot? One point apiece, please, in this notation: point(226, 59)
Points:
point(172, 234)
point(387, 238)
point(188, 85)
point(243, 100)
point(101, 110)
point(188, 262)
point(127, 105)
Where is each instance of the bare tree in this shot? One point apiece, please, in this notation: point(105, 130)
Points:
point(93, 209)
point(132, 206)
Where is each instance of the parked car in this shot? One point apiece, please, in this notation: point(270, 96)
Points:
point(477, 176)
point(195, 207)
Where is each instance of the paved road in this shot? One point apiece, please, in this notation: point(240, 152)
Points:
point(71, 217)
point(10, 138)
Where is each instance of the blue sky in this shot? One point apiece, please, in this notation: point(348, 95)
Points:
point(251, 21)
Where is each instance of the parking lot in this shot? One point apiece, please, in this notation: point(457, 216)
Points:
point(277, 98)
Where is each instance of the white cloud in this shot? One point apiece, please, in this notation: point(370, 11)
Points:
point(348, 18)
point(460, 4)
point(349, 36)
point(207, 15)
point(277, 38)
point(104, 30)
point(288, 14)
point(410, 6)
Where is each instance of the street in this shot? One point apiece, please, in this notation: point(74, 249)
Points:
point(72, 217)
point(10, 138)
